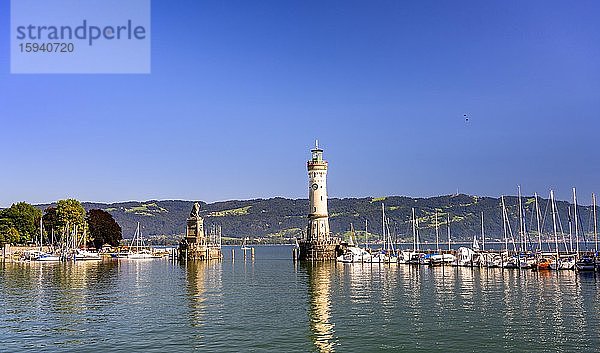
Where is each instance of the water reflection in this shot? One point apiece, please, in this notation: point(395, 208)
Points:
point(44, 299)
point(202, 277)
point(157, 306)
point(319, 291)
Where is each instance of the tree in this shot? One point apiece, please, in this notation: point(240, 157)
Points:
point(103, 228)
point(8, 233)
point(70, 213)
point(50, 221)
point(25, 220)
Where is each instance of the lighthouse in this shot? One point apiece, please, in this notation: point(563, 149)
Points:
point(318, 218)
point(317, 245)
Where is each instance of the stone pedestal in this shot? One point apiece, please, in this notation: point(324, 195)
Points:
point(326, 250)
point(196, 245)
point(196, 252)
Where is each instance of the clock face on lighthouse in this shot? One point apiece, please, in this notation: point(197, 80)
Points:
point(315, 186)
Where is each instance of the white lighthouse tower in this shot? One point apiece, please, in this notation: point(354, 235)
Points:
point(318, 218)
point(318, 245)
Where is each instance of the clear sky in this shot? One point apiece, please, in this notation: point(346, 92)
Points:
point(239, 91)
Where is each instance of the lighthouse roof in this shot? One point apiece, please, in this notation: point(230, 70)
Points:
point(317, 149)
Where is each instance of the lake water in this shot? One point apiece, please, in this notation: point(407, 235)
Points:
point(274, 305)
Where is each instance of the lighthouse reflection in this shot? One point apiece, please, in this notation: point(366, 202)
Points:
point(319, 291)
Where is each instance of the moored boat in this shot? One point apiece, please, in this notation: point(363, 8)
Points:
point(563, 263)
point(465, 257)
point(48, 257)
point(354, 254)
point(543, 263)
point(586, 263)
point(86, 255)
point(142, 255)
point(441, 259)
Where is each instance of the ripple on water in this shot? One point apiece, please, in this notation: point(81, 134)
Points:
point(272, 304)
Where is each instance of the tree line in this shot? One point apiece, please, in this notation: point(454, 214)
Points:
point(20, 224)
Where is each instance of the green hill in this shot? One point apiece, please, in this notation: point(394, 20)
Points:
point(279, 218)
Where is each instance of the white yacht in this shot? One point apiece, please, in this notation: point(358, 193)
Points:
point(86, 255)
point(465, 257)
point(441, 259)
point(355, 254)
point(563, 263)
point(137, 249)
point(142, 255)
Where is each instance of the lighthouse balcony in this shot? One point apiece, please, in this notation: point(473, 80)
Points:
point(317, 164)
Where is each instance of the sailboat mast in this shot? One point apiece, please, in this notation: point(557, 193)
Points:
point(570, 230)
point(449, 244)
point(389, 234)
point(437, 233)
point(537, 216)
point(504, 224)
point(576, 221)
point(482, 234)
point(595, 224)
point(418, 240)
point(414, 227)
point(383, 223)
point(521, 222)
point(554, 224)
point(41, 232)
point(367, 233)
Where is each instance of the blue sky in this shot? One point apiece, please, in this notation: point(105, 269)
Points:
point(239, 90)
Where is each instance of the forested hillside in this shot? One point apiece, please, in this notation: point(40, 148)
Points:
point(284, 218)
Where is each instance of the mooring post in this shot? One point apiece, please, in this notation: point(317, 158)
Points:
point(232, 254)
point(252, 253)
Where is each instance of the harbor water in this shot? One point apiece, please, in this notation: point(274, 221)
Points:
point(272, 304)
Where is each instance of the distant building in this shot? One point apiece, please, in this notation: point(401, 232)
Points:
point(197, 245)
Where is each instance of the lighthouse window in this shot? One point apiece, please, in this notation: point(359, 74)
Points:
point(321, 198)
point(314, 209)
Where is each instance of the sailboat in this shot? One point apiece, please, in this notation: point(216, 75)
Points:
point(526, 258)
point(140, 252)
point(487, 259)
point(587, 262)
point(507, 260)
point(84, 254)
point(40, 255)
point(559, 262)
point(390, 251)
point(353, 252)
point(413, 257)
point(244, 245)
point(385, 254)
